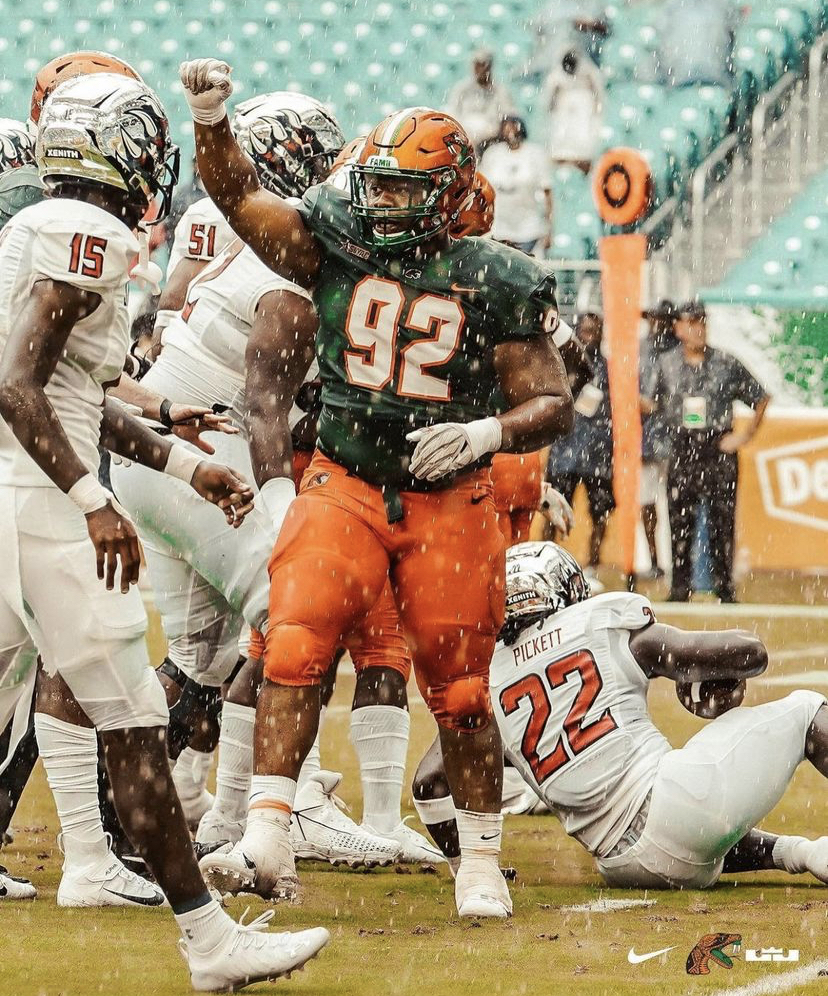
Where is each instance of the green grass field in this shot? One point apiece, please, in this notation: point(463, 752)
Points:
point(396, 932)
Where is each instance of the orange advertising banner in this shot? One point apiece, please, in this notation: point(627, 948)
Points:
point(622, 259)
point(782, 507)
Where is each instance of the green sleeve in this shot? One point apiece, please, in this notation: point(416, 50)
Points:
point(527, 305)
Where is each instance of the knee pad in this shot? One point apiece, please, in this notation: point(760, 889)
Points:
point(172, 671)
point(463, 705)
point(294, 655)
point(194, 702)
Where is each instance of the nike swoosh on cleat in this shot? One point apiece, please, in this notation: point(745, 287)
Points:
point(157, 900)
point(634, 958)
point(250, 864)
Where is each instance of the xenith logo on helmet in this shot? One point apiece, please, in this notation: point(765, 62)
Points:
point(60, 152)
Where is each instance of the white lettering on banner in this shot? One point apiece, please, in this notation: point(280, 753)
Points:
point(794, 482)
point(799, 481)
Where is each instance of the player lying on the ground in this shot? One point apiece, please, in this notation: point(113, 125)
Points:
point(416, 331)
point(105, 154)
point(569, 684)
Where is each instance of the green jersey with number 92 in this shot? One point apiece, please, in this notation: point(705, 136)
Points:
point(406, 341)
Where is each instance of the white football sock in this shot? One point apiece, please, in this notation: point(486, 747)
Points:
point(480, 834)
point(790, 854)
point(70, 756)
point(235, 763)
point(271, 803)
point(204, 928)
point(379, 734)
point(313, 762)
point(190, 774)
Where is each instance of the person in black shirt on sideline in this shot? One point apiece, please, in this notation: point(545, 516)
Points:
point(693, 388)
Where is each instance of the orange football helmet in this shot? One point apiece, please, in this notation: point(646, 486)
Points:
point(66, 67)
point(477, 217)
point(424, 153)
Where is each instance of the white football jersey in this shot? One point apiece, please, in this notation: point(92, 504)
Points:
point(83, 245)
point(201, 234)
point(571, 704)
point(203, 359)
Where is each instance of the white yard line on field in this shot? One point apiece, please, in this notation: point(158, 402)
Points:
point(800, 679)
point(797, 653)
point(715, 610)
point(780, 983)
point(608, 905)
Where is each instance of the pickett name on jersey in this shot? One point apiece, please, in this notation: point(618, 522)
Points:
point(528, 649)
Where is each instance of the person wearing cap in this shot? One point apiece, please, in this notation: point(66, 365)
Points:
point(585, 455)
point(480, 104)
point(693, 388)
point(518, 171)
point(660, 338)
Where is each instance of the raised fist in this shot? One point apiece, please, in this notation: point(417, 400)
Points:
point(207, 86)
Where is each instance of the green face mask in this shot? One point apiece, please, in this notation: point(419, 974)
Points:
point(400, 226)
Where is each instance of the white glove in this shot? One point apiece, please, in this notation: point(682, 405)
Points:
point(441, 449)
point(275, 497)
point(207, 86)
point(556, 509)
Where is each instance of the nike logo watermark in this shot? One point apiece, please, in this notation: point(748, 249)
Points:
point(157, 900)
point(489, 836)
point(635, 959)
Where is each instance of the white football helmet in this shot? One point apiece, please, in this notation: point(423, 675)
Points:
point(16, 145)
point(541, 578)
point(292, 140)
point(109, 129)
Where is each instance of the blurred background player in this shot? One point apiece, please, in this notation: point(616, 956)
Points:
point(413, 177)
point(570, 679)
point(585, 456)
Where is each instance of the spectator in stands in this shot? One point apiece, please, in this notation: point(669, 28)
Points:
point(654, 451)
point(566, 24)
point(694, 387)
point(519, 171)
point(480, 104)
point(585, 456)
point(573, 97)
point(695, 42)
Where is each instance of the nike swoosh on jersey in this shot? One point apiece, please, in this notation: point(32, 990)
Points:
point(157, 900)
point(634, 958)
point(464, 290)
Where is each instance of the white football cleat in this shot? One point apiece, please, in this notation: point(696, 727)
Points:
point(415, 848)
point(321, 831)
point(216, 828)
point(480, 889)
point(247, 866)
point(12, 887)
point(107, 882)
point(250, 954)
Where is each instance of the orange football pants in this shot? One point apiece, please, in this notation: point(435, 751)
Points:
point(445, 561)
point(517, 481)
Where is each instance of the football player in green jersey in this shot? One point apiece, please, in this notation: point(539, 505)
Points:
point(416, 333)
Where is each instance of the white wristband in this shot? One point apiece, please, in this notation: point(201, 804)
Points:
point(276, 496)
point(163, 319)
point(485, 436)
point(181, 463)
point(562, 334)
point(208, 115)
point(88, 494)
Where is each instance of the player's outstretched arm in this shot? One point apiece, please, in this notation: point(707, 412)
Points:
point(220, 485)
point(271, 226)
point(279, 353)
point(683, 656)
point(534, 382)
